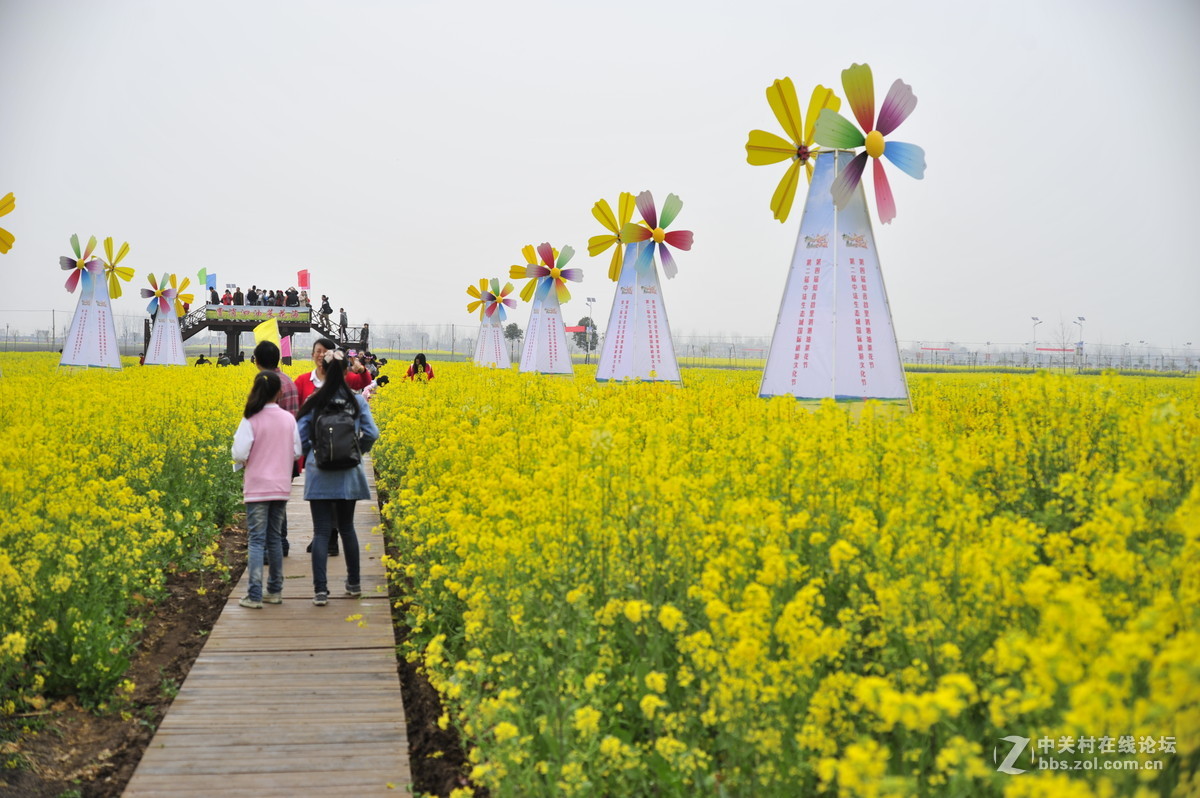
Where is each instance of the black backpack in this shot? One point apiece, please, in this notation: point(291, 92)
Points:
point(335, 438)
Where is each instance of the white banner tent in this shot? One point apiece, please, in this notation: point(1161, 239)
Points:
point(92, 339)
point(834, 336)
point(166, 341)
point(490, 350)
point(637, 341)
point(545, 350)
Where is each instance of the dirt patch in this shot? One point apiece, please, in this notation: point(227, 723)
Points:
point(69, 751)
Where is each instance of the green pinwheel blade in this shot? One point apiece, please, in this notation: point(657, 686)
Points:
point(670, 210)
point(835, 130)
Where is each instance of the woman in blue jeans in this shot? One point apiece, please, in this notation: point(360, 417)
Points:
point(332, 493)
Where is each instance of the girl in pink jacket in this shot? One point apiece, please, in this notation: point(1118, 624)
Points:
point(266, 444)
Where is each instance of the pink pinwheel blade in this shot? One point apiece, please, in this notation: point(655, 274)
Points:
point(537, 271)
point(884, 202)
point(547, 253)
point(73, 280)
point(898, 104)
point(512, 303)
point(668, 262)
point(680, 239)
point(490, 310)
point(163, 305)
point(847, 181)
point(645, 206)
point(574, 275)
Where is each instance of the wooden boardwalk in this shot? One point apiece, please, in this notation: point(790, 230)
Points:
point(291, 699)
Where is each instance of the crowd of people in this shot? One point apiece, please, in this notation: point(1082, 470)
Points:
point(320, 425)
point(290, 298)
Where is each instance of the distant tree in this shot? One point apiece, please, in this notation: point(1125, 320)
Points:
point(581, 338)
point(513, 333)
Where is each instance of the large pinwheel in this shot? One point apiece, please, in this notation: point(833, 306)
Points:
point(112, 271)
point(604, 214)
point(7, 203)
point(477, 292)
point(655, 232)
point(834, 130)
point(549, 273)
point(82, 266)
point(764, 148)
point(158, 294)
point(181, 298)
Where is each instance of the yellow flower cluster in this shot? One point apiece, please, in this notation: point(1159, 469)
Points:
point(624, 585)
point(108, 482)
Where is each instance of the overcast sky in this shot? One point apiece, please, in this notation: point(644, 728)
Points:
point(402, 150)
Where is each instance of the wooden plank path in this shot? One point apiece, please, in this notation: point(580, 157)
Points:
point(291, 698)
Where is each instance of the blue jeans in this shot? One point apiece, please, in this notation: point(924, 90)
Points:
point(327, 515)
point(265, 522)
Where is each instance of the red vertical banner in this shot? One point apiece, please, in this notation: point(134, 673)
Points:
point(302, 279)
point(285, 346)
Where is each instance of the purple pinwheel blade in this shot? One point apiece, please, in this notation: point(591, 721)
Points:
point(512, 303)
point(67, 263)
point(147, 293)
point(847, 181)
point(645, 206)
point(574, 275)
point(909, 158)
point(668, 262)
point(884, 202)
point(898, 104)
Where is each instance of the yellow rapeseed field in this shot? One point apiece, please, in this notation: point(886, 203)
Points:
point(108, 482)
point(641, 589)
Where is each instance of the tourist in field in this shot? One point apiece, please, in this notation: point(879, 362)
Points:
point(420, 369)
point(308, 384)
point(266, 357)
point(343, 320)
point(266, 444)
point(364, 337)
point(332, 492)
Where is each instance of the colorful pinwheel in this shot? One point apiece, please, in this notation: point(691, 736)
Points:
point(495, 300)
point(834, 130)
point(114, 272)
point(181, 298)
point(82, 266)
point(764, 148)
point(158, 294)
point(549, 272)
point(652, 232)
point(597, 244)
point(7, 203)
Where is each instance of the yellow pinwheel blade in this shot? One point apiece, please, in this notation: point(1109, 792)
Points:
point(475, 291)
point(560, 288)
point(121, 253)
point(530, 256)
point(821, 98)
point(472, 306)
point(597, 244)
point(782, 96)
point(7, 203)
point(517, 272)
point(604, 215)
point(173, 281)
point(114, 286)
point(6, 241)
point(183, 287)
point(764, 148)
point(808, 169)
point(625, 205)
point(785, 192)
point(527, 291)
point(614, 266)
point(108, 249)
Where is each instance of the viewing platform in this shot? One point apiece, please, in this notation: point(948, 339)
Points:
point(233, 320)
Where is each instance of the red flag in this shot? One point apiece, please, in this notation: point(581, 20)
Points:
point(575, 329)
point(302, 279)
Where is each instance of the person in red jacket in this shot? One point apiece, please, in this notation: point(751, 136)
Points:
point(420, 369)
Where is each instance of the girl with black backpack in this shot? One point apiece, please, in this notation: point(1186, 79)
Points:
point(336, 428)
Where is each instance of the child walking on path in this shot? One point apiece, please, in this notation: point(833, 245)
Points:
point(333, 491)
point(266, 444)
